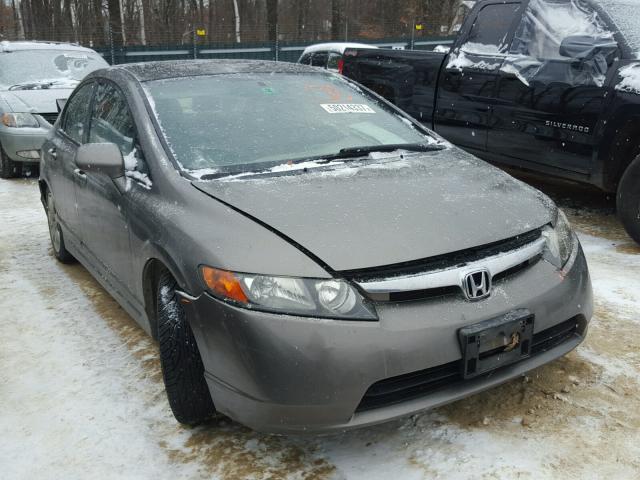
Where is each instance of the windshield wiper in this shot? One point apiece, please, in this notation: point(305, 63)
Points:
point(366, 150)
point(31, 86)
point(38, 85)
point(345, 153)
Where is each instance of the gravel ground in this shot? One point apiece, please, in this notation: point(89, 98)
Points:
point(82, 395)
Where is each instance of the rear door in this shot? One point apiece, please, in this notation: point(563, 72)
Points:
point(549, 104)
point(467, 83)
point(60, 153)
point(102, 205)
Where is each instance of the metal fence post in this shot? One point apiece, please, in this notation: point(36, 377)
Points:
point(277, 42)
point(195, 46)
point(111, 46)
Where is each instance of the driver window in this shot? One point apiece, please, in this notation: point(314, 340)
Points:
point(539, 50)
point(111, 122)
point(319, 59)
point(76, 113)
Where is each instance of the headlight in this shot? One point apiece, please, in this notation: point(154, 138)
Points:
point(307, 297)
point(19, 120)
point(559, 241)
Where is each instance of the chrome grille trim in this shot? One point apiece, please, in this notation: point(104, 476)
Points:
point(452, 277)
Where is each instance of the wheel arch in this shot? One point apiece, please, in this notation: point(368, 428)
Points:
point(151, 272)
point(621, 151)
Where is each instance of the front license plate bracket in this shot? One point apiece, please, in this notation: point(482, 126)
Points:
point(495, 343)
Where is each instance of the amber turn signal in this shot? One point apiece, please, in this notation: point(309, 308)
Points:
point(223, 284)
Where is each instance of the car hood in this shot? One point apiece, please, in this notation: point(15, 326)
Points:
point(384, 211)
point(36, 101)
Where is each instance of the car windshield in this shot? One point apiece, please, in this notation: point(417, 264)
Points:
point(233, 122)
point(626, 16)
point(47, 67)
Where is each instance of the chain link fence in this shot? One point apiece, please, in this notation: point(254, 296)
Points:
point(199, 43)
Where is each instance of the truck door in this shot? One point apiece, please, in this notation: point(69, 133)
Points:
point(551, 86)
point(468, 78)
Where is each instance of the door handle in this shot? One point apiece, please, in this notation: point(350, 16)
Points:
point(53, 153)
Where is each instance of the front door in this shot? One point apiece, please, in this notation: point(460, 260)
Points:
point(60, 153)
point(468, 80)
point(548, 101)
point(101, 202)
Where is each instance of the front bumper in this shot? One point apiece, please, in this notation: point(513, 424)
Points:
point(286, 374)
point(14, 140)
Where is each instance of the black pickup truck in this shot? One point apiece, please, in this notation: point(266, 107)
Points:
point(551, 86)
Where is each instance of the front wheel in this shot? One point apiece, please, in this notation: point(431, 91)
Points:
point(628, 200)
point(55, 232)
point(8, 168)
point(182, 368)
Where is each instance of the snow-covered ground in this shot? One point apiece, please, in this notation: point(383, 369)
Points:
point(81, 393)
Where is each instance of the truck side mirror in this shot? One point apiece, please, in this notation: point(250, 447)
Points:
point(584, 47)
point(104, 158)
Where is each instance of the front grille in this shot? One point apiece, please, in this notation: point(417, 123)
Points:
point(442, 262)
point(413, 385)
point(49, 117)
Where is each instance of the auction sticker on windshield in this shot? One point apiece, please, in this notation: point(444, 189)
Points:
point(347, 108)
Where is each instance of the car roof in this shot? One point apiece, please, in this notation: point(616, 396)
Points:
point(7, 47)
point(337, 47)
point(149, 71)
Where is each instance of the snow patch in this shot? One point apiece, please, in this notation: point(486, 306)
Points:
point(459, 60)
point(630, 79)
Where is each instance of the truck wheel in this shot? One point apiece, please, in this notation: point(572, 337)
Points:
point(628, 201)
point(55, 233)
point(8, 168)
point(182, 368)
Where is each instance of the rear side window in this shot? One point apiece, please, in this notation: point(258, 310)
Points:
point(76, 113)
point(490, 30)
point(111, 120)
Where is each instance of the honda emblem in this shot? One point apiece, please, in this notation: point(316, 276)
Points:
point(477, 285)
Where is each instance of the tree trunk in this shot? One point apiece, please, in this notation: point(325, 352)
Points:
point(272, 20)
point(236, 14)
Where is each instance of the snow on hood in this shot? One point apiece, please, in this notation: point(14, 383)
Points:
point(630, 79)
point(36, 101)
point(393, 210)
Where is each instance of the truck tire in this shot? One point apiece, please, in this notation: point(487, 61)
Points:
point(8, 168)
point(55, 233)
point(182, 368)
point(628, 201)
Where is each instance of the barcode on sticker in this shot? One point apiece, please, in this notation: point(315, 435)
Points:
point(347, 108)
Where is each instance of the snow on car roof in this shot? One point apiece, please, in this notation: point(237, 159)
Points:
point(337, 47)
point(149, 71)
point(6, 46)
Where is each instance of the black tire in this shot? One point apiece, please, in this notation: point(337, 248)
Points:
point(182, 368)
point(628, 201)
point(55, 232)
point(8, 168)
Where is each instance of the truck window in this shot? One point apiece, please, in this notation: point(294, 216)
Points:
point(490, 30)
point(557, 32)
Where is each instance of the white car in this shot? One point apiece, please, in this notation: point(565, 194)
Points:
point(36, 78)
point(328, 55)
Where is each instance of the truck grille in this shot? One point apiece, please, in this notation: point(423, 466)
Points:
point(417, 384)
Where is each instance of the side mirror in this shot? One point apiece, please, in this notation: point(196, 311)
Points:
point(584, 47)
point(104, 158)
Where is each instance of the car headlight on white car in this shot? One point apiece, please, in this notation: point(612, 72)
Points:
point(307, 297)
point(560, 241)
point(19, 120)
